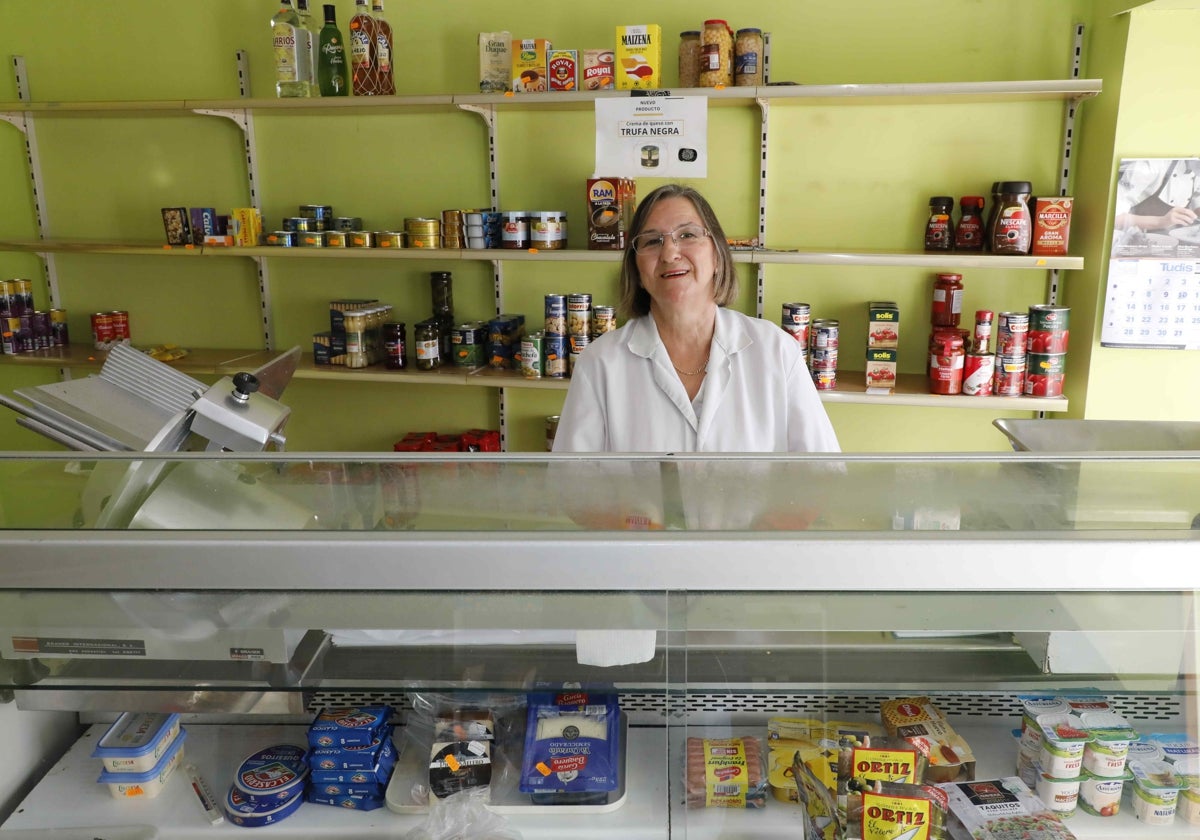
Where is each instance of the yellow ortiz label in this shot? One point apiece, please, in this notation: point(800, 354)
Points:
point(895, 817)
point(885, 765)
point(726, 775)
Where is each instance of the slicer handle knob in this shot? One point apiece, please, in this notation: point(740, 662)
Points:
point(244, 384)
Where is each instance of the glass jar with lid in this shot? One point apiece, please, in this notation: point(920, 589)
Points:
point(1011, 231)
point(689, 58)
point(427, 340)
point(748, 58)
point(716, 54)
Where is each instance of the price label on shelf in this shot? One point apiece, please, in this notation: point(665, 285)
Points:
point(1153, 304)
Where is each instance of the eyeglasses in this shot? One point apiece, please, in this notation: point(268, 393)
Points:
point(685, 237)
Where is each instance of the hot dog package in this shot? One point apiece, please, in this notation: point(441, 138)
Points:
point(920, 723)
point(726, 773)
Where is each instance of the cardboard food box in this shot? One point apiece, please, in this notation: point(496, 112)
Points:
point(562, 66)
point(883, 329)
point(529, 65)
point(495, 62)
point(1052, 226)
point(610, 206)
point(597, 70)
point(881, 368)
point(639, 57)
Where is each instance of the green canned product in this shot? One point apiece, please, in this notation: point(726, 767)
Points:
point(532, 355)
point(468, 344)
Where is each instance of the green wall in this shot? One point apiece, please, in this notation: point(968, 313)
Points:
point(854, 176)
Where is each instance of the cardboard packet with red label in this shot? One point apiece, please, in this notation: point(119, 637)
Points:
point(562, 66)
point(1052, 226)
point(920, 723)
point(726, 773)
point(529, 64)
point(597, 70)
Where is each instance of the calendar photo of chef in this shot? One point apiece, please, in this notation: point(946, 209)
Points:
point(1158, 208)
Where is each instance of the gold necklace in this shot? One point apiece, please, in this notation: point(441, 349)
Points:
point(695, 372)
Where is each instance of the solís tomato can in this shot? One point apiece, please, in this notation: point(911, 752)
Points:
point(978, 370)
point(1048, 329)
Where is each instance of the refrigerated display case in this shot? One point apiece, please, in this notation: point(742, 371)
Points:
point(713, 593)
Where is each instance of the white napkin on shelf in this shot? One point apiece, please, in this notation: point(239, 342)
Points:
point(614, 647)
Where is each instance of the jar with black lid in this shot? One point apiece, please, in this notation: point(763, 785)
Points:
point(426, 338)
point(939, 229)
point(1011, 231)
point(395, 340)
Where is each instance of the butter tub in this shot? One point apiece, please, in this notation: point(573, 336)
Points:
point(149, 784)
point(137, 741)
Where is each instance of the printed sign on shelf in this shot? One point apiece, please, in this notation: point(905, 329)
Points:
point(652, 136)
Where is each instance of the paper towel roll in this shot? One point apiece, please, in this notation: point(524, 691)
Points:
point(614, 647)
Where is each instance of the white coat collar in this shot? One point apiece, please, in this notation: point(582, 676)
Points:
point(729, 335)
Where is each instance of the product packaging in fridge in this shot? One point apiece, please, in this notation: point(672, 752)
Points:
point(1175, 745)
point(892, 810)
point(1156, 788)
point(572, 747)
point(725, 773)
point(347, 727)
point(1000, 809)
point(861, 766)
point(918, 721)
point(791, 773)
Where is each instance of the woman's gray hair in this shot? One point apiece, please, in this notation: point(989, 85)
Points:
point(635, 300)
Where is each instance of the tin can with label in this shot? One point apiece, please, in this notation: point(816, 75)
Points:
point(579, 314)
point(796, 320)
point(468, 344)
point(1044, 374)
point(348, 224)
point(311, 239)
point(282, 238)
point(1048, 329)
point(1010, 376)
point(393, 239)
point(102, 330)
point(25, 292)
point(577, 343)
point(120, 322)
point(301, 224)
point(59, 336)
point(10, 335)
point(551, 431)
point(823, 334)
point(532, 347)
point(823, 360)
point(825, 380)
point(556, 314)
point(978, 371)
point(39, 327)
point(322, 213)
point(1012, 332)
point(604, 319)
point(336, 238)
point(6, 294)
point(361, 239)
point(555, 350)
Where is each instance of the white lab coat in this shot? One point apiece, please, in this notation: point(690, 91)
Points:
point(758, 395)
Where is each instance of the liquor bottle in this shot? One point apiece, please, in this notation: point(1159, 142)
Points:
point(333, 74)
point(383, 50)
point(364, 59)
point(311, 37)
point(291, 72)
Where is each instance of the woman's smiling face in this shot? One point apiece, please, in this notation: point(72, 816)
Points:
point(679, 275)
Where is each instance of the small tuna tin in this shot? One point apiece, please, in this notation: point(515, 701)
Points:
point(148, 784)
point(389, 239)
point(347, 224)
point(273, 775)
point(322, 213)
point(136, 741)
point(348, 726)
point(243, 812)
point(311, 240)
point(282, 238)
point(361, 239)
point(336, 238)
point(302, 225)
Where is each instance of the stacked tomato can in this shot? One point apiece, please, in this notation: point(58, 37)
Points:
point(1046, 350)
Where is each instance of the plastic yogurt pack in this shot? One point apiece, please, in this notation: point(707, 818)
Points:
point(1100, 796)
point(136, 741)
point(1063, 741)
point(1105, 755)
point(1155, 791)
point(1188, 770)
point(148, 784)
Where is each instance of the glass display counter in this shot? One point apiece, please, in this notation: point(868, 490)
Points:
point(713, 594)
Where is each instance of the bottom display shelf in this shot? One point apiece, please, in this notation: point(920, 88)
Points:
point(68, 797)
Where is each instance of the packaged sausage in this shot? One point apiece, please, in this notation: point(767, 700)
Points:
point(726, 773)
point(918, 721)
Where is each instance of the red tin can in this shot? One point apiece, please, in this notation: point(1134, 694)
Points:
point(102, 330)
point(120, 322)
point(1010, 376)
point(978, 370)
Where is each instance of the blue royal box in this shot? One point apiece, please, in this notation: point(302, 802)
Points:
point(245, 813)
point(346, 727)
point(272, 775)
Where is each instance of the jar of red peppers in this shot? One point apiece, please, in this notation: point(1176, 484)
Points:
point(946, 366)
point(946, 310)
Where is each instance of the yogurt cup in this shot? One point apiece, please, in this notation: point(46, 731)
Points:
point(1174, 750)
point(1027, 766)
point(1100, 796)
point(148, 784)
point(1060, 795)
point(1105, 755)
point(1155, 791)
point(1063, 741)
point(136, 741)
point(1145, 751)
point(1031, 707)
point(1189, 806)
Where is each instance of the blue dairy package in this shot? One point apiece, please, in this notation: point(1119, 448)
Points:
point(376, 789)
point(379, 774)
point(571, 743)
point(350, 803)
point(381, 750)
point(349, 726)
point(272, 775)
point(243, 812)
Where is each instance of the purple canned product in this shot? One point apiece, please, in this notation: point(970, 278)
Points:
point(10, 335)
point(555, 350)
point(556, 315)
point(823, 334)
point(39, 324)
point(1012, 329)
point(579, 314)
point(25, 340)
point(6, 293)
point(59, 335)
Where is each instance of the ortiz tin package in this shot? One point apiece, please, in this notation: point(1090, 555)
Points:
point(572, 748)
point(272, 776)
point(348, 727)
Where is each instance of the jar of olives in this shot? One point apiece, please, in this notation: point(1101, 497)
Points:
point(426, 338)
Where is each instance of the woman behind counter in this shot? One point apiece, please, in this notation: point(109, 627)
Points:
point(686, 374)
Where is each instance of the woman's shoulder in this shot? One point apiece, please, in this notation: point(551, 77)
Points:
point(769, 337)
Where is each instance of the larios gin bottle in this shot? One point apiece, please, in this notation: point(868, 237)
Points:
point(364, 59)
point(292, 68)
point(333, 74)
point(383, 50)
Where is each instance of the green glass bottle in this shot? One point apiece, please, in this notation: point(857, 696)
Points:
point(333, 73)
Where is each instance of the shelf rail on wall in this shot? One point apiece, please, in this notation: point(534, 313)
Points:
point(244, 119)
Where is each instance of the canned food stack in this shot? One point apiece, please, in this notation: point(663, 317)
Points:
point(139, 753)
point(350, 757)
point(823, 353)
point(553, 347)
point(795, 321)
point(504, 341)
point(1046, 348)
point(108, 329)
point(1012, 330)
point(423, 233)
point(883, 343)
point(579, 326)
point(454, 231)
point(482, 229)
point(979, 366)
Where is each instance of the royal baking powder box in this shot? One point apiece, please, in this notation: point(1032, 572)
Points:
point(136, 741)
point(348, 727)
point(272, 776)
point(243, 812)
